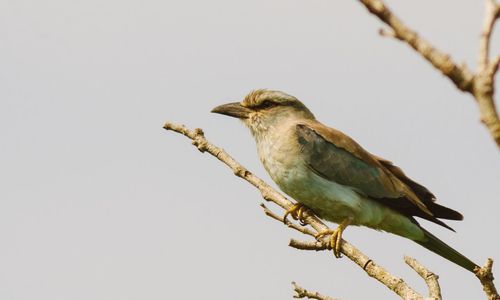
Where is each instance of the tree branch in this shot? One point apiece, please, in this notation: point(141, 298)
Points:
point(303, 293)
point(492, 11)
point(430, 278)
point(483, 89)
point(485, 275)
point(397, 285)
point(310, 245)
point(480, 85)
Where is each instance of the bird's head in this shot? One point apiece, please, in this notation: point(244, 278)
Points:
point(262, 110)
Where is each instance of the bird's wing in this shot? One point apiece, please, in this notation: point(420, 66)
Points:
point(336, 157)
point(421, 191)
point(426, 196)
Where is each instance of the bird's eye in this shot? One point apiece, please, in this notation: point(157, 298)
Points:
point(267, 104)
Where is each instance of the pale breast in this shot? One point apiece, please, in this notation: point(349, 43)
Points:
point(279, 152)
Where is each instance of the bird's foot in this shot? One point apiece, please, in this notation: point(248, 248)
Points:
point(297, 213)
point(335, 236)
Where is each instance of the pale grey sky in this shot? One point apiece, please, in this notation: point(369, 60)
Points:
point(99, 202)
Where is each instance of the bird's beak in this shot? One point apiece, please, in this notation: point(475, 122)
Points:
point(234, 109)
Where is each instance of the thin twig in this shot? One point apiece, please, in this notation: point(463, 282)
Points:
point(303, 293)
point(485, 275)
point(310, 245)
point(492, 10)
point(483, 89)
point(430, 278)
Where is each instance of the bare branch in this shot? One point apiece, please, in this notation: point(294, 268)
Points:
point(313, 245)
point(485, 275)
point(303, 293)
point(479, 85)
point(397, 285)
point(430, 278)
point(483, 89)
point(492, 11)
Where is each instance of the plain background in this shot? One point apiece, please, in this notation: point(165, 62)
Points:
point(97, 201)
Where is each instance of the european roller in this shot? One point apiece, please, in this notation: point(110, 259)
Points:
point(326, 171)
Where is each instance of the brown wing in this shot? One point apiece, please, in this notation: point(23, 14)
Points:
point(426, 196)
point(339, 158)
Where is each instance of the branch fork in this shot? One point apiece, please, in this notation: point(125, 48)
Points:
point(479, 84)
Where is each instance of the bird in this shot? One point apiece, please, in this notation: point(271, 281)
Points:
point(329, 173)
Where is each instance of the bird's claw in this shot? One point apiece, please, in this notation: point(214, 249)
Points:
point(297, 213)
point(335, 236)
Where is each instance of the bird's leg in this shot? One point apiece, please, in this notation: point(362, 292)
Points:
point(335, 236)
point(296, 211)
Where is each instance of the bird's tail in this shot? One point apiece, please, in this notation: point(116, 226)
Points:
point(439, 247)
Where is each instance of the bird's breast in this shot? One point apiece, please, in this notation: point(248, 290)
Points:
point(280, 154)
